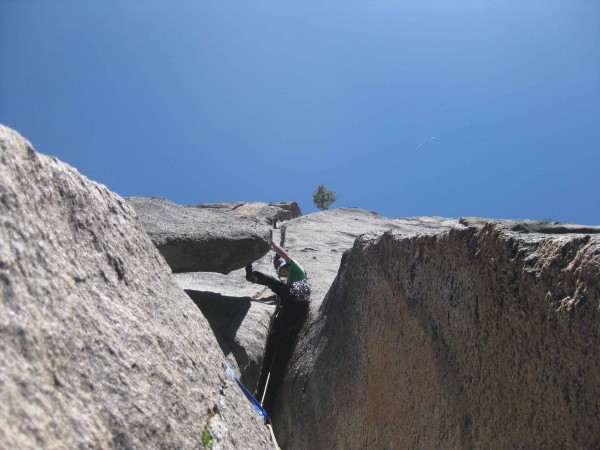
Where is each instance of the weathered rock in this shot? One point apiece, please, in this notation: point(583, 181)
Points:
point(270, 213)
point(318, 241)
point(99, 348)
point(193, 239)
point(475, 337)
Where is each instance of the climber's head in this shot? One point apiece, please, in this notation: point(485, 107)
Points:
point(282, 269)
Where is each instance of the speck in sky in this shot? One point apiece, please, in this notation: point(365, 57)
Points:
point(462, 108)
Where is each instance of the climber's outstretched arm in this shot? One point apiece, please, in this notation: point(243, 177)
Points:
point(281, 252)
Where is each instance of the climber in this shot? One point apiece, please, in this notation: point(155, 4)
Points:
point(294, 299)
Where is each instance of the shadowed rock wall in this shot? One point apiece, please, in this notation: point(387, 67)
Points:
point(467, 338)
point(240, 326)
point(239, 313)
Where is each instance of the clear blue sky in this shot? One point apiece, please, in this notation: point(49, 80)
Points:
point(449, 108)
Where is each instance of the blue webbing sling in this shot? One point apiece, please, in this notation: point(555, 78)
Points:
point(255, 403)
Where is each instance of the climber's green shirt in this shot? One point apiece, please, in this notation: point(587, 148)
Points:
point(295, 273)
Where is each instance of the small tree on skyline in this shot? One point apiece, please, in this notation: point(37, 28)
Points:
point(323, 198)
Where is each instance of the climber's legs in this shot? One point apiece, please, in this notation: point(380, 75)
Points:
point(267, 364)
point(280, 289)
point(279, 351)
point(281, 339)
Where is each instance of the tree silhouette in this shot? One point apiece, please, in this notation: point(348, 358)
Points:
point(323, 197)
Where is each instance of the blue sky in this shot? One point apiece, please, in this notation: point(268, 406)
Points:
point(448, 108)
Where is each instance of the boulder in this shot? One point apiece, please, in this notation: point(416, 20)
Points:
point(193, 239)
point(99, 347)
point(450, 337)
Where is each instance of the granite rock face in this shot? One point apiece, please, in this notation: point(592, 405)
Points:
point(194, 239)
point(318, 241)
point(99, 347)
point(451, 337)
